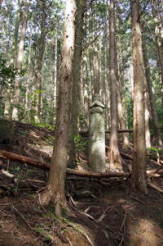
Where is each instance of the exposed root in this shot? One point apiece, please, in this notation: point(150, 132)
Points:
point(155, 187)
point(45, 196)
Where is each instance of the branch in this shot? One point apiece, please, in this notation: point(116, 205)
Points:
point(85, 133)
point(27, 160)
point(155, 187)
point(16, 157)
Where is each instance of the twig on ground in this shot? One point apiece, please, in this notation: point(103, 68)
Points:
point(155, 187)
point(123, 228)
point(104, 214)
point(17, 212)
point(136, 199)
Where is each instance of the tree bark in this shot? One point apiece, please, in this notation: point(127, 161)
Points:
point(152, 108)
point(39, 59)
point(55, 191)
point(115, 159)
point(139, 167)
point(120, 78)
point(156, 9)
point(1, 3)
point(23, 17)
point(75, 107)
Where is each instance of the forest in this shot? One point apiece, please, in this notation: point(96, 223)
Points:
point(81, 122)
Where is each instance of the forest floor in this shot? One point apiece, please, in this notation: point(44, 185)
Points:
point(106, 212)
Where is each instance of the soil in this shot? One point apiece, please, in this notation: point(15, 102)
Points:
point(105, 213)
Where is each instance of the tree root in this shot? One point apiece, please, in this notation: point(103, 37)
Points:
point(155, 187)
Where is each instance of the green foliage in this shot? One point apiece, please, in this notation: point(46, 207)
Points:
point(83, 121)
point(101, 9)
point(80, 143)
point(129, 106)
point(7, 72)
point(50, 140)
point(44, 232)
point(160, 115)
point(155, 150)
point(44, 125)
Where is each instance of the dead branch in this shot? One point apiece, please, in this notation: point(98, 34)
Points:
point(18, 213)
point(155, 172)
point(27, 160)
point(73, 172)
point(84, 173)
point(155, 187)
point(85, 133)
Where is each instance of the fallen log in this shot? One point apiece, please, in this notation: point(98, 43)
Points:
point(85, 133)
point(16, 157)
point(82, 173)
point(85, 173)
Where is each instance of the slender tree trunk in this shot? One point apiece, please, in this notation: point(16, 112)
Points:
point(7, 108)
point(152, 108)
point(139, 166)
point(107, 83)
point(55, 191)
point(96, 73)
point(1, 3)
point(39, 59)
point(147, 118)
point(115, 159)
point(55, 75)
point(156, 9)
point(121, 111)
point(23, 17)
point(76, 73)
point(86, 90)
point(146, 97)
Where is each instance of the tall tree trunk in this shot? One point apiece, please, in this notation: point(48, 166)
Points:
point(23, 17)
point(156, 9)
point(7, 108)
point(76, 77)
point(139, 166)
point(115, 159)
point(55, 73)
point(107, 83)
point(39, 59)
point(1, 3)
point(120, 78)
point(152, 108)
point(55, 191)
point(146, 95)
point(147, 118)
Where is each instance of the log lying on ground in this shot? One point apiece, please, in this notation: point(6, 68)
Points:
point(27, 160)
point(16, 157)
point(155, 172)
point(85, 133)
